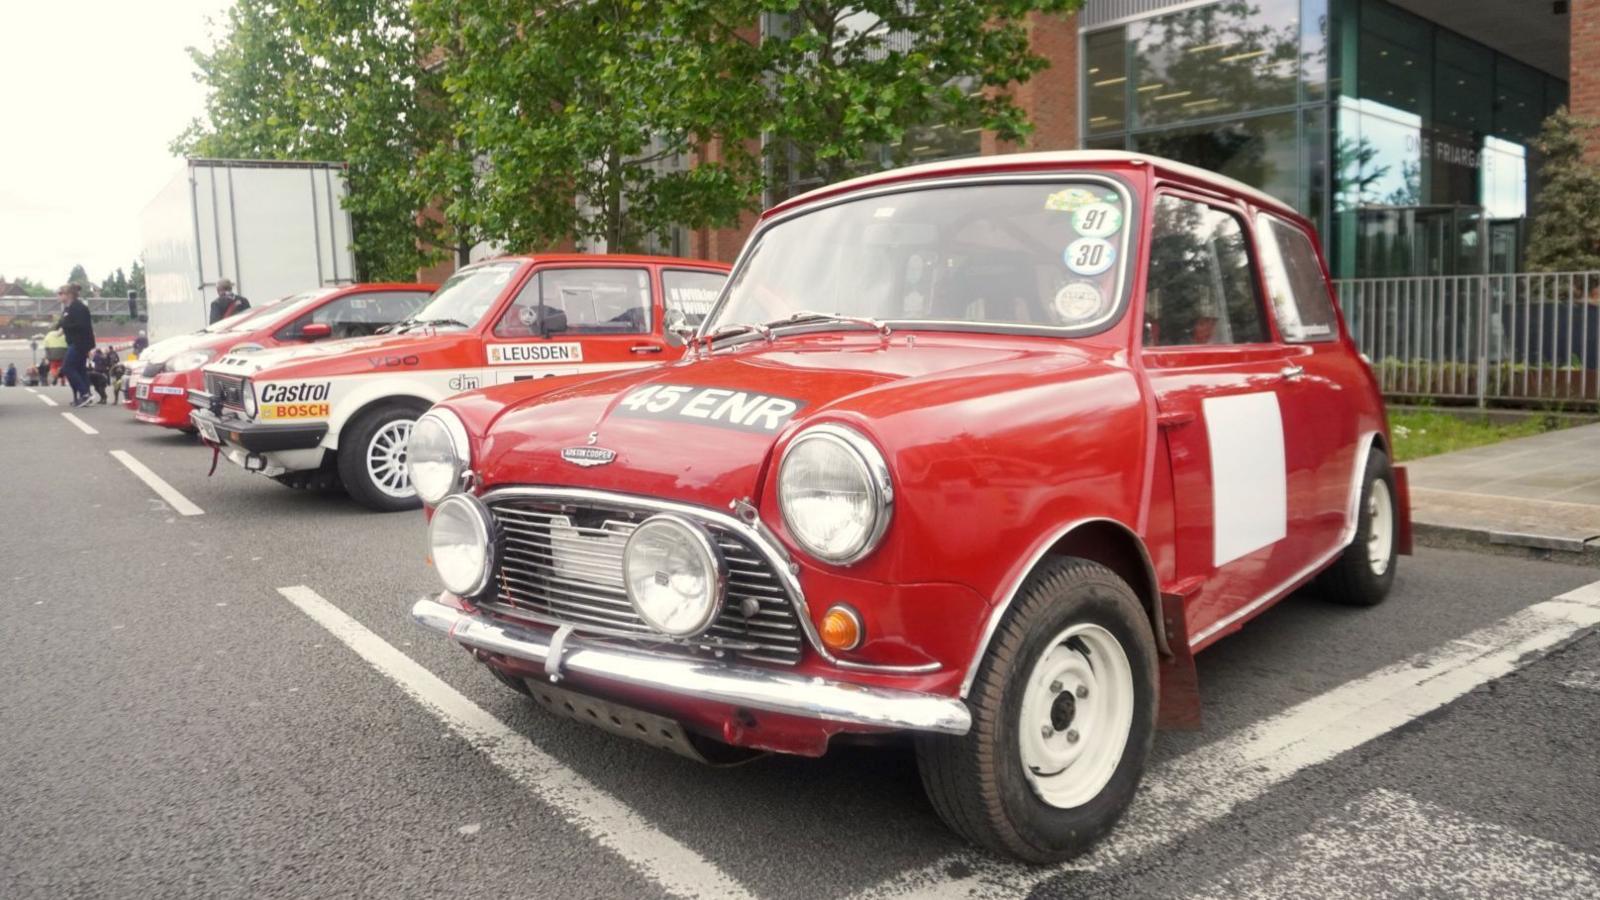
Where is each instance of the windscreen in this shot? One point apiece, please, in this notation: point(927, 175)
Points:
point(1037, 254)
point(273, 313)
point(467, 296)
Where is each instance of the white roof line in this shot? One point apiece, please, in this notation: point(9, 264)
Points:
point(1059, 157)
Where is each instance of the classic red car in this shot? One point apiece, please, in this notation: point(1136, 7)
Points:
point(983, 451)
point(159, 392)
point(341, 411)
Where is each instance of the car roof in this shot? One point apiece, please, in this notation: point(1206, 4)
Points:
point(601, 258)
point(387, 286)
point(1038, 161)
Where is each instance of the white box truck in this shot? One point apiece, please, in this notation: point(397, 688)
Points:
point(273, 228)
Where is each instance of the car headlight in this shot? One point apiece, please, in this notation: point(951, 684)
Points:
point(247, 398)
point(675, 575)
point(185, 362)
point(459, 540)
point(436, 455)
point(835, 494)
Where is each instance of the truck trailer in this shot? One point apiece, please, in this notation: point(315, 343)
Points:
point(272, 228)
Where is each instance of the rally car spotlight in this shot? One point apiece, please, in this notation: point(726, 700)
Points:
point(247, 398)
point(436, 455)
point(459, 542)
point(835, 494)
point(185, 362)
point(675, 575)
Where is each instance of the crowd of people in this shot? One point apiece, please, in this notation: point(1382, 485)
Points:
point(71, 356)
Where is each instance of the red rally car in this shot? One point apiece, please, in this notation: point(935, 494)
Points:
point(159, 392)
point(983, 451)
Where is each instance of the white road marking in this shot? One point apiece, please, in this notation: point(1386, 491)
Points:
point(82, 425)
point(1208, 783)
point(31, 390)
point(179, 503)
point(1388, 843)
point(46, 400)
point(677, 868)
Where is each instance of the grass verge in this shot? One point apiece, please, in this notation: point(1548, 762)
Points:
point(1426, 432)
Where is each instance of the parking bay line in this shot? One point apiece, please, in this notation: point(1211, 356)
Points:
point(177, 501)
point(1206, 784)
point(604, 818)
point(46, 400)
point(82, 425)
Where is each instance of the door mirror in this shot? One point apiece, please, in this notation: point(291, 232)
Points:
point(551, 320)
point(315, 331)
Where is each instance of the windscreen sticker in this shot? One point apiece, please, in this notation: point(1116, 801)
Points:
point(1097, 220)
point(741, 410)
point(1069, 199)
point(533, 354)
point(1078, 302)
point(1089, 256)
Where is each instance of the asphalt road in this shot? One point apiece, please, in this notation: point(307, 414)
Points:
point(173, 724)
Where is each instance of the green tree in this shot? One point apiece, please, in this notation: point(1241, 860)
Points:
point(79, 277)
point(136, 277)
point(1565, 236)
point(332, 80)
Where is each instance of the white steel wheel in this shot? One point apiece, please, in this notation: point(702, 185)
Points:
point(1380, 527)
point(1076, 714)
point(386, 458)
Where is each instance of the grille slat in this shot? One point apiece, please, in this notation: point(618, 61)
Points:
point(563, 563)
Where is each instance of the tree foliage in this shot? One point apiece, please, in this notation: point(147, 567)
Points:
point(338, 80)
point(1565, 236)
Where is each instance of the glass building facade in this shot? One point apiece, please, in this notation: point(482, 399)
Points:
point(1408, 144)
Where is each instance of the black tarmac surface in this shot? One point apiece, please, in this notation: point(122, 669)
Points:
point(170, 725)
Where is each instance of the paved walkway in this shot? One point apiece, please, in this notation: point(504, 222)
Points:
point(1540, 491)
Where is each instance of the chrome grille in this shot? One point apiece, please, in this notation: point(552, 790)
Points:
point(562, 564)
point(229, 388)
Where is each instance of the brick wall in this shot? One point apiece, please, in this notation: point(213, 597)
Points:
point(1584, 74)
point(1050, 98)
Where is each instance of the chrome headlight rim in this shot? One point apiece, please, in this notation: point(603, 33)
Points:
point(873, 465)
point(247, 398)
point(460, 451)
point(482, 522)
point(711, 556)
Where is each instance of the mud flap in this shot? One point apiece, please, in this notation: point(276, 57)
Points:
point(1178, 706)
point(1402, 509)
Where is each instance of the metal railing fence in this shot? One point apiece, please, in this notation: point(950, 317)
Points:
point(50, 307)
point(1526, 338)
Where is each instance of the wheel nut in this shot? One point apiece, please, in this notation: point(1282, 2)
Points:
point(1047, 731)
point(1072, 735)
point(1055, 687)
point(1083, 691)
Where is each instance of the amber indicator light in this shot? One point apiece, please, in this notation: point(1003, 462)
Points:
point(841, 628)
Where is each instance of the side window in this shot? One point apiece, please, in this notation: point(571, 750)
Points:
point(689, 297)
point(580, 301)
point(1294, 282)
point(1200, 290)
point(359, 315)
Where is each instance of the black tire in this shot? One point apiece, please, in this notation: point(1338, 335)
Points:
point(976, 781)
point(1354, 579)
point(354, 443)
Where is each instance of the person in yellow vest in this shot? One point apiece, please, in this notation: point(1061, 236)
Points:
point(55, 350)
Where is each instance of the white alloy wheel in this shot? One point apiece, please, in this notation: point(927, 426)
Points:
point(386, 458)
point(1076, 715)
point(1380, 526)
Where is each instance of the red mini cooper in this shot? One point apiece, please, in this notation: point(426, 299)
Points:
point(982, 451)
point(159, 393)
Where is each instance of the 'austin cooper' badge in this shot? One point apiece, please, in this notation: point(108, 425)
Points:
point(588, 456)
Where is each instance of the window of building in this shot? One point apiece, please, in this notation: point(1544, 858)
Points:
point(1261, 151)
point(1199, 289)
point(1295, 287)
point(1105, 80)
point(580, 301)
point(1211, 60)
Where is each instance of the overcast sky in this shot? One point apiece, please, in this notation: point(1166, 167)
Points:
point(91, 93)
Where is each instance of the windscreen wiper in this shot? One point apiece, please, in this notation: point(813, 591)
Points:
point(807, 315)
point(738, 328)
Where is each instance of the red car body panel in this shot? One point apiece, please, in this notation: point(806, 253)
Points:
point(1002, 446)
point(166, 394)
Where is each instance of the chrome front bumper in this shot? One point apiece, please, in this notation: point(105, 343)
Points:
point(735, 685)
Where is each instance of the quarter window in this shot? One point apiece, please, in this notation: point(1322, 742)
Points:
point(689, 297)
point(1294, 283)
point(580, 301)
point(1200, 290)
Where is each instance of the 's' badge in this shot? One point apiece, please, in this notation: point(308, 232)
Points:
point(588, 456)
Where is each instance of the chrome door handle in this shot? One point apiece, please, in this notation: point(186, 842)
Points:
point(1291, 372)
point(645, 348)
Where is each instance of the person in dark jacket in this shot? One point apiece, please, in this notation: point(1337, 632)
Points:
point(100, 373)
point(78, 329)
point(11, 375)
point(227, 303)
